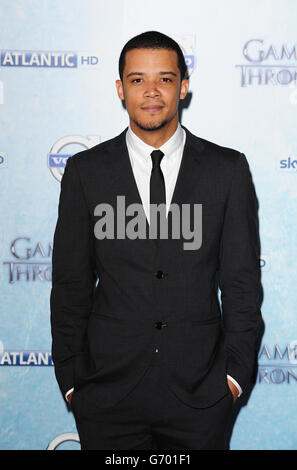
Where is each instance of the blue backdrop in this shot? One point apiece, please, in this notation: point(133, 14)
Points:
point(57, 96)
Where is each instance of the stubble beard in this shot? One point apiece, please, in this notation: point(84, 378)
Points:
point(152, 125)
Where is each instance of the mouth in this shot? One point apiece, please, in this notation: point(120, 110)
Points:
point(152, 108)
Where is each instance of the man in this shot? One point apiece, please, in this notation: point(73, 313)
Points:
point(143, 351)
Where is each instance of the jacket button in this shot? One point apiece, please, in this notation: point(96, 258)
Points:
point(160, 324)
point(160, 274)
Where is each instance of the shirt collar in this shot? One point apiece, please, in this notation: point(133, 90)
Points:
point(144, 150)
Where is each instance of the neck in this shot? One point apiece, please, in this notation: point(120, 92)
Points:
point(158, 137)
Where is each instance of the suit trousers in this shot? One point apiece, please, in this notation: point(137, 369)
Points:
point(150, 416)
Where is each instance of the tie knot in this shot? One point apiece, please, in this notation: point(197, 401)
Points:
point(157, 156)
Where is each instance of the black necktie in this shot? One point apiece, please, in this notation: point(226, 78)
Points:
point(157, 184)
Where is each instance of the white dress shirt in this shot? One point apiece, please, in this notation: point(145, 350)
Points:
point(141, 163)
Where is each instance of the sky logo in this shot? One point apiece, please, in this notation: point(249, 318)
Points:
point(289, 164)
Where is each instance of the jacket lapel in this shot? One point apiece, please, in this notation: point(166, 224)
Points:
point(190, 171)
point(122, 177)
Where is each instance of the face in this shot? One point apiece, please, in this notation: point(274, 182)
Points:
point(151, 87)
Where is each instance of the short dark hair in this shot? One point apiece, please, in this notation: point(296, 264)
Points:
point(154, 40)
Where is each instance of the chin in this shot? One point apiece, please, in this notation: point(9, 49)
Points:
point(150, 125)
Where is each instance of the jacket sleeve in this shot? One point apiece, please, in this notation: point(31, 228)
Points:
point(73, 276)
point(240, 276)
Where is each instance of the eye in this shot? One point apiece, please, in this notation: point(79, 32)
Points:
point(136, 80)
point(166, 79)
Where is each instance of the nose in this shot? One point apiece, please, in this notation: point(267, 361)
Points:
point(151, 90)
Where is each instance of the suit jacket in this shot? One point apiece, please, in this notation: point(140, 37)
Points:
point(113, 301)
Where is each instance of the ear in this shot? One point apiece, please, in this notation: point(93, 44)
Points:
point(120, 89)
point(184, 86)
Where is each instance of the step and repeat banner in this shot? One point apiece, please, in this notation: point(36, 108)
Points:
point(58, 66)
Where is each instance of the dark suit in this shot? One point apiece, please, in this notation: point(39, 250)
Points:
point(105, 335)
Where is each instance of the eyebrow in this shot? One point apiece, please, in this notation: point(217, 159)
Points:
point(169, 72)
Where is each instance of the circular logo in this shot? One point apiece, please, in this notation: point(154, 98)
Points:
point(61, 438)
point(57, 156)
